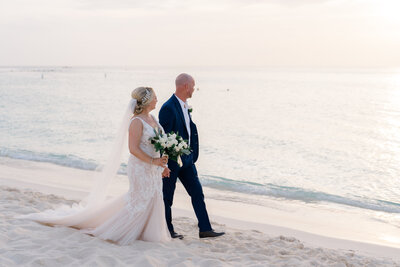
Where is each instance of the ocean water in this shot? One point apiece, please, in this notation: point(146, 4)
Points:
point(329, 137)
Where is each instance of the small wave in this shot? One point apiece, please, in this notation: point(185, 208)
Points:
point(58, 159)
point(221, 183)
point(71, 161)
point(296, 193)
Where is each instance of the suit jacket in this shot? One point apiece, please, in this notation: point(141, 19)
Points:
point(171, 119)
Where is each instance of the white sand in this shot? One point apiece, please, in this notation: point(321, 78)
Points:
point(28, 243)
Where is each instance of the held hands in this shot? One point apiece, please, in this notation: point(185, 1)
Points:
point(166, 172)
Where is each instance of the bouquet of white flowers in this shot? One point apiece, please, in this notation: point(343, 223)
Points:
point(170, 144)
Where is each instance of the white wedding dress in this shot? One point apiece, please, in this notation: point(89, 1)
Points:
point(137, 215)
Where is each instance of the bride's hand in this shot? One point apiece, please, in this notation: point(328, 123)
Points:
point(161, 161)
point(166, 172)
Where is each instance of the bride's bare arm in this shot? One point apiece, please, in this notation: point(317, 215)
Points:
point(135, 134)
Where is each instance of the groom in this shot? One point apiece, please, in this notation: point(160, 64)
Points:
point(175, 116)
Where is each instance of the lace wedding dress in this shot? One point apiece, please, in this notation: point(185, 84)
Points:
point(137, 215)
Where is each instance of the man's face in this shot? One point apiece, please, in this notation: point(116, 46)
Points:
point(190, 88)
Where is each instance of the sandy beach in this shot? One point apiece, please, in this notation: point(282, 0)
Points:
point(250, 240)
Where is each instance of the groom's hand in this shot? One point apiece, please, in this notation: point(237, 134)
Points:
point(166, 173)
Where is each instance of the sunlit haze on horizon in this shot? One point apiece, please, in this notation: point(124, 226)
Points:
point(292, 33)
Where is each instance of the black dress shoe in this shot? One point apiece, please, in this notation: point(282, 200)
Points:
point(211, 233)
point(175, 235)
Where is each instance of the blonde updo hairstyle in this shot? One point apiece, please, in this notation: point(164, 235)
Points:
point(143, 96)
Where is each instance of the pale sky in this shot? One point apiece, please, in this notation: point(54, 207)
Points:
point(332, 33)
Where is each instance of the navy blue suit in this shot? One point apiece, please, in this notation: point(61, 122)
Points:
point(171, 119)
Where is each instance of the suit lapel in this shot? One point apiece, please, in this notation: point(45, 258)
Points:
point(180, 112)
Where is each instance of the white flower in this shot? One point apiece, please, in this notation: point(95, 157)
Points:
point(177, 149)
point(163, 140)
point(170, 140)
point(183, 144)
point(169, 143)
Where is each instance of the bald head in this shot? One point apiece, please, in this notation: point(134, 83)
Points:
point(183, 79)
point(184, 86)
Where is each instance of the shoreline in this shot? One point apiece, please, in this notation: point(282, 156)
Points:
point(74, 184)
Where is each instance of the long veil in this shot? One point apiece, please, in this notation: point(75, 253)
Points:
point(81, 212)
point(105, 176)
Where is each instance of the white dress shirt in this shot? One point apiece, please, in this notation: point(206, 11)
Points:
point(185, 110)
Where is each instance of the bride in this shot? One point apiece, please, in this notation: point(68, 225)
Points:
point(139, 214)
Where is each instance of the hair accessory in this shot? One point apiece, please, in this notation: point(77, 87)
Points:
point(146, 96)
